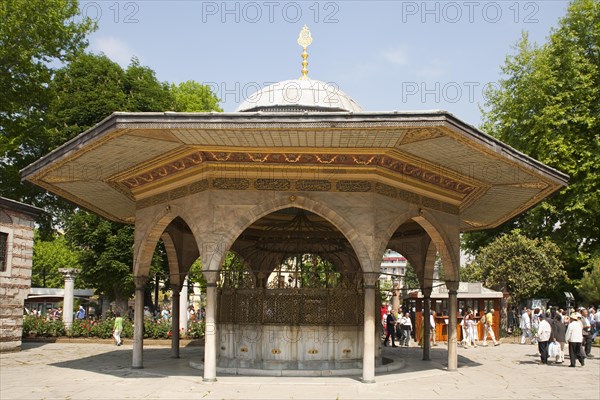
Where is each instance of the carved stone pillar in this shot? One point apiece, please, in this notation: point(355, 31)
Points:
point(210, 334)
point(426, 323)
point(138, 322)
point(369, 328)
point(175, 321)
point(452, 325)
point(183, 306)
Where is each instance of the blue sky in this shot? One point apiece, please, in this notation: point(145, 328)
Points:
point(387, 55)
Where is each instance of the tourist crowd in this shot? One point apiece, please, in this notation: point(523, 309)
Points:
point(558, 332)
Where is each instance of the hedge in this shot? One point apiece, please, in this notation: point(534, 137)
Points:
point(161, 329)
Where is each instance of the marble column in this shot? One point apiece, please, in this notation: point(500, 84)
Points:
point(138, 322)
point(67, 316)
point(183, 306)
point(369, 328)
point(452, 325)
point(210, 334)
point(426, 324)
point(175, 305)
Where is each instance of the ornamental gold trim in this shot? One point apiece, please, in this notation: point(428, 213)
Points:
point(393, 164)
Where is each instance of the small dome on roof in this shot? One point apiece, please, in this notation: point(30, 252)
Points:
point(299, 95)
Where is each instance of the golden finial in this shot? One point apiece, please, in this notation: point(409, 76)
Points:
point(304, 40)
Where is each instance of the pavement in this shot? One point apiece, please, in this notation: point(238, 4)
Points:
point(98, 371)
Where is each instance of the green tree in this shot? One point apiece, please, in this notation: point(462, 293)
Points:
point(35, 37)
point(548, 106)
point(589, 286)
point(144, 92)
point(411, 281)
point(525, 268)
point(83, 93)
point(191, 96)
point(385, 289)
point(106, 254)
point(48, 257)
point(86, 91)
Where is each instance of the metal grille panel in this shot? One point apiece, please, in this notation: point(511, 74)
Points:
point(291, 306)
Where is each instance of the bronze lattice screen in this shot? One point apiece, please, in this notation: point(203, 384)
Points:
point(338, 306)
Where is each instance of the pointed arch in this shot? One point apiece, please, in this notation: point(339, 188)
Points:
point(226, 241)
point(178, 237)
point(420, 251)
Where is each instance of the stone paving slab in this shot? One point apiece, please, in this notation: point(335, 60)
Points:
point(102, 371)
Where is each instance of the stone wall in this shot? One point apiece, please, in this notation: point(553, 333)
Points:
point(15, 281)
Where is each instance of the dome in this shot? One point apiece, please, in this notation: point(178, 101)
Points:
point(299, 95)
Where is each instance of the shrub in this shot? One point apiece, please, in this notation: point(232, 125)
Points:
point(41, 327)
point(51, 328)
point(196, 329)
point(81, 328)
point(30, 323)
point(159, 329)
point(103, 328)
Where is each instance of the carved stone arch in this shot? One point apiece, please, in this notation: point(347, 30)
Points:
point(268, 207)
point(182, 250)
point(421, 252)
point(146, 241)
point(387, 234)
point(446, 238)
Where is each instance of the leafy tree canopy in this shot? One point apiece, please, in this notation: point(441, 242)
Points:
point(525, 268)
point(548, 106)
point(589, 286)
point(191, 96)
point(86, 91)
point(35, 37)
point(48, 257)
point(106, 253)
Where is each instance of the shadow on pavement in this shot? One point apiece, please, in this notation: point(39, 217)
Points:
point(158, 362)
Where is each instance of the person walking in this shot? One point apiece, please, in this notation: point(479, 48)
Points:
point(574, 337)
point(118, 328)
point(406, 328)
point(587, 333)
point(525, 326)
point(558, 337)
point(390, 325)
point(543, 334)
point(488, 328)
point(432, 316)
point(471, 328)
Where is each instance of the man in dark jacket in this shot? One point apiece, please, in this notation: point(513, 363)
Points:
point(558, 336)
point(390, 324)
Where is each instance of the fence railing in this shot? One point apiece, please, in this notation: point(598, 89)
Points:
point(338, 306)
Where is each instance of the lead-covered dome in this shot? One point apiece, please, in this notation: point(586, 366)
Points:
point(299, 95)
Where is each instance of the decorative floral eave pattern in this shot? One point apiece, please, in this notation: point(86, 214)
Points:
point(371, 160)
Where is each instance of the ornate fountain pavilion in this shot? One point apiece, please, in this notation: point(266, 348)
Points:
point(299, 169)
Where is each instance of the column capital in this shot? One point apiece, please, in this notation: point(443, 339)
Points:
point(426, 292)
point(211, 277)
point(452, 286)
point(140, 282)
point(176, 289)
point(370, 278)
point(69, 273)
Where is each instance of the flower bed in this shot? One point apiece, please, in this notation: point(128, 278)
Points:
point(103, 329)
